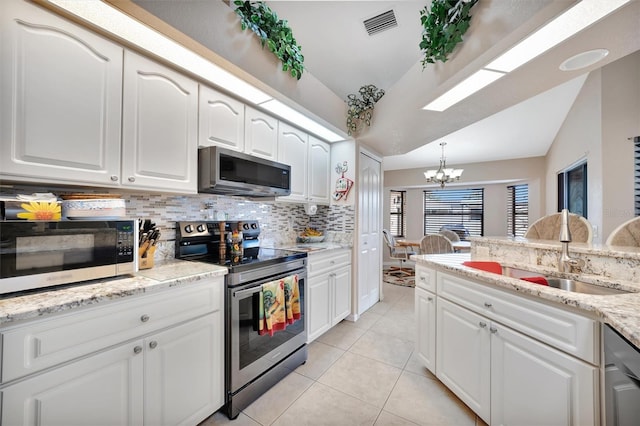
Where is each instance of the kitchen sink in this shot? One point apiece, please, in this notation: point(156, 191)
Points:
point(575, 286)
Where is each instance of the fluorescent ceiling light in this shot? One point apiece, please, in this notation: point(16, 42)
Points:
point(465, 88)
point(574, 20)
point(122, 25)
point(301, 120)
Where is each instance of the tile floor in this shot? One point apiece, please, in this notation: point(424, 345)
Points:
point(360, 373)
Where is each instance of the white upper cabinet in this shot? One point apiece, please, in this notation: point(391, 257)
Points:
point(261, 134)
point(319, 169)
point(293, 149)
point(60, 95)
point(221, 120)
point(160, 127)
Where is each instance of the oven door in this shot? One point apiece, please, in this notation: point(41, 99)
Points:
point(252, 354)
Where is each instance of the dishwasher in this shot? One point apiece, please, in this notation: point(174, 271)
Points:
point(621, 380)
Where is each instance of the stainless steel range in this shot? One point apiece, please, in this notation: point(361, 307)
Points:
point(254, 360)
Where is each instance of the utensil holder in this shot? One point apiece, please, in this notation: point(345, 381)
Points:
point(146, 260)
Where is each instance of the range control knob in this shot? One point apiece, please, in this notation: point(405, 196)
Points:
point(188, 229)
point(201, 228)
point(254, 226)
point(245, 226)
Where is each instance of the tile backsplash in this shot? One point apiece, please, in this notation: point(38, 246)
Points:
point(280, 222)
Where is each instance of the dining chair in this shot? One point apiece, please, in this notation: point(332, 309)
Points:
point(626, 235)
point(435, 244)
point(401, 253)
point(548, 228)
point(451, 235)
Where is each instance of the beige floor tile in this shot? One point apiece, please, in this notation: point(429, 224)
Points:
point(276, 400)
point(342, 335)
point(388, 349)
point(414, 365)
point(363, 378)
point(323, 406)
point(398, 325)
point(388, 419)
point(381, 307)
point(427, 402)
point(367, 320)
point(219, 419)
point(321, 357)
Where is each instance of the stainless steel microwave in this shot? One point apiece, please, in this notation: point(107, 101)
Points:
point(228, 172)
point(36, 254)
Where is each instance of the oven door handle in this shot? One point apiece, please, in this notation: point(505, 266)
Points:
point(242, 293)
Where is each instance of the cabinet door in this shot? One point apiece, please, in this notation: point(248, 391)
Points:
point(463, 355)
point(293, 150)
point(60, 97)
point(319, 311)
point(160, 127)
point(104, 389)
point(220, 120)
point(532, 383)
point(425, 311)
point(184, 375)
point(341, 294)
point(319, 171)
point(261, 134)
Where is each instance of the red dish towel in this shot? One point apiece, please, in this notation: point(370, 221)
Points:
point(536, 280)
point(494, 267)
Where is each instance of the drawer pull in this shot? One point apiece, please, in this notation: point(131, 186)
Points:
point(487, 305)
point(493, 330)
point(153, 344)
point(430, 299)
point(137, 349)
point(131, 179)
point(482, 324)
point(144, 318)
point(114, 178)
point(423, 279)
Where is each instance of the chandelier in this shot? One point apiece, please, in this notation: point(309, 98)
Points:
point(443, 175)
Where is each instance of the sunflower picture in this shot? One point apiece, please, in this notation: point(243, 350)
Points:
point(40, 210)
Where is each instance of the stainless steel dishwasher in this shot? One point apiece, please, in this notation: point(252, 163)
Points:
point(621, 380)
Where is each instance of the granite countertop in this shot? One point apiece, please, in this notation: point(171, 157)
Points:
point(621, 311)
point(314, 247)
point(165, 274)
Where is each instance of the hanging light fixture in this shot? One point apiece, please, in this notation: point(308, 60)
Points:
point(443, 175)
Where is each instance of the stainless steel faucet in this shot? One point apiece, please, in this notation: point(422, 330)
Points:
point(565, 262)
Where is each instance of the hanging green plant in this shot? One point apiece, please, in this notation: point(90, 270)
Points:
point(273, 32)
point(444, 25)
point(360, 110)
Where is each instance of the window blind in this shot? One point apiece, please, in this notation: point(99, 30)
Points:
point(517, 210)
point(397, 222)
point(460, 210)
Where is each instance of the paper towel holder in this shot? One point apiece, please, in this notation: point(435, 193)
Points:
point(310, 209)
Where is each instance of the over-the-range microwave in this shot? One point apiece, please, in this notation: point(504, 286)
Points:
point(228, 172)
point(37, 254)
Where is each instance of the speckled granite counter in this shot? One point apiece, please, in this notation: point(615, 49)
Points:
point(621, 311)
point(170, 273)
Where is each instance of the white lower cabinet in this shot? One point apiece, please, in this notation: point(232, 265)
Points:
point(329, 291)
point(171, 376)
point(504, 375)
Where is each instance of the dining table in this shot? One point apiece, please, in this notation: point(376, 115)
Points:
point(458, 246)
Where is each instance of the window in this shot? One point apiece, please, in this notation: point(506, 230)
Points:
point(572, 190)
point(517, 210)
point(460, 210)
point(397, 223)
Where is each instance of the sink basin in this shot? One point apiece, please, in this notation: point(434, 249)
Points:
point(564, 284)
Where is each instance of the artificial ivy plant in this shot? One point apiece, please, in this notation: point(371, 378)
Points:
point(361, 109)
point(443, 28)
point(273, 32)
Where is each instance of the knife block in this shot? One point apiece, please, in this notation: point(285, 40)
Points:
point(146, 260)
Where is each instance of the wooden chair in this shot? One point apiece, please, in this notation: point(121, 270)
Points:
point(626, 235)
point(402, 253)
point(548, 228)
point(435, 244)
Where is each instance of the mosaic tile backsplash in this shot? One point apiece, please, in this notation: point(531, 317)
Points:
point(280, 222)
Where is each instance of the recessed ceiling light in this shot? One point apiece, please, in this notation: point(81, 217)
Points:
point(584, 59)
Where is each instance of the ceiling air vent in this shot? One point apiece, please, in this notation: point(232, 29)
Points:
point(380, 23)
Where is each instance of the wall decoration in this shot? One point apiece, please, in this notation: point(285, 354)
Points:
point(444, 25)
point(360, 111)
point(343, 184)
point(273, 32)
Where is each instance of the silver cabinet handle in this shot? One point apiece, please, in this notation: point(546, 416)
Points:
point(482, 324)
point(487, 305)
point(137, 349)
point(493, 330)
point(422, 278)
point(430, 299)
point(131, 179)
point(144, 318)
point(153, 344)
point(114, 178)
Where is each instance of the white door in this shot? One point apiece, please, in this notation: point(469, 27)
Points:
point(104, 389)
point(463, 355)
point(369, 231)
point(184, 378)
point(60, 99)
point(261, 134)
point(341, 294)
point(425, 311)
point(527, 375)
point(160, 127)
point(220, 120)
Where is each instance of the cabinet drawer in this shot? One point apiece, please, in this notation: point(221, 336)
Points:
point(47, 342)
point(321, 262)
point(562, 329)
point(425, 278)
